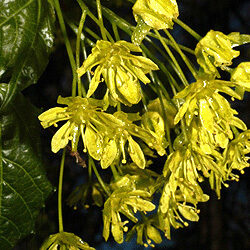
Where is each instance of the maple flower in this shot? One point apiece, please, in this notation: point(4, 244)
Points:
point(120, 69)
point(235, 156)
point(78, 114)
point(123, 200)
point(202, 100)
point(65, 240)
point(241, 77)
point(147, 229)
point(118, 132)
point(158, 14)
point(216, 50)
point(104, 135)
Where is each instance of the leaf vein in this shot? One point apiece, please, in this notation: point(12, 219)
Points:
point(22, 199)
point(15, 226)
point(4, 238)
point(20, 166)
point(16, 12)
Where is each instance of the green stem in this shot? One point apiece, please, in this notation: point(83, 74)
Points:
point(92, 33)
point(179, 70)
point(115, 30)
point(114, 172)
point(119, 106)
point(183, 124)
point(60, 218)
point(184, 58)
point(90, 14)
point(188, 29)
point(99, 11)
point(91, 161)
point(78, 40)
point(167, 129)
point(74, 28)
point(85, 57)
point(160, 64)
point(90, 170)
point(67, 44)
point(144, 102)
point(184, 48)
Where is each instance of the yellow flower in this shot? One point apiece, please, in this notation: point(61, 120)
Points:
point(146, 228)
point(204, 141)
point(187, 164)
point(65, 240)
point(157, 14)
point(216, 50)
point(168, 107)
point(120, 69)
point(78, 114)
point(241, 77)
point(153, 122)
point(104, 135)
point(235, 156)
point(121, 201)
point(202, 100)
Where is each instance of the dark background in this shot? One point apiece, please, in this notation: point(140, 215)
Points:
point(223, 224)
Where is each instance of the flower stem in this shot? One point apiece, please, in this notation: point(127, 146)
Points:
point(91, 162)
point(115, 30)
point(179, 70)
point(161, 66)
point(188, 29)
point(114, 172)
point(60, 218)
point(166, 126)
point(90, 14)
point(78, 40)
point(183, 56)
point(67, 44)
point(99, 11)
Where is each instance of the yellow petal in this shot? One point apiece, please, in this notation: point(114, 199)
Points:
point(95, 81)
point(136, 153)
point(206, 115)
point(109, 154)
point(93, 143)
point(61, 137)
point(52, 116)
point(154, 234)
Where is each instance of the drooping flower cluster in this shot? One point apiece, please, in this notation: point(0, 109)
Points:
point(104, 135)
point(120, 69)
point(209, 145)
point(211, 142)
point(202, 100)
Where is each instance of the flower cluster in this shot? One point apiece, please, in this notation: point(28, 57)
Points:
point(103, 135)
point(127, 198)
point(202, 100)
point(120, 69)
point(211, 141)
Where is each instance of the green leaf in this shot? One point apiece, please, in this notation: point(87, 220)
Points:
point(23, 184)
point(26, 40)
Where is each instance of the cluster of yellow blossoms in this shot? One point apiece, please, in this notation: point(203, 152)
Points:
point(212, 141)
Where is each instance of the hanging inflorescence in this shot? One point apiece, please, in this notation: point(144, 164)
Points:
point(210, 141)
